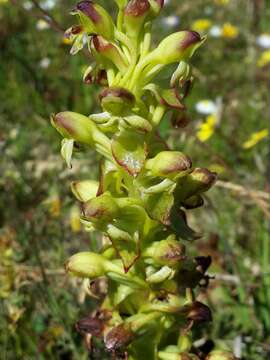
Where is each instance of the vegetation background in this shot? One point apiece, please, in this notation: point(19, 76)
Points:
point(228, 132)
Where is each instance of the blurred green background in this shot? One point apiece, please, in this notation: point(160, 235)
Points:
point(228, 133)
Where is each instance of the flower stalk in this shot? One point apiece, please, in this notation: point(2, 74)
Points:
point(140, 202)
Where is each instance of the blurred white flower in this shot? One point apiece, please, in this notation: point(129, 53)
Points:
point(13, 133)
point(166, 2)
point(42, 25)
point(27, 5)
point(215, 31)
point(206, 107)
point(45, 63)
point(48, 4)
point(171, 21)
point(263, 40)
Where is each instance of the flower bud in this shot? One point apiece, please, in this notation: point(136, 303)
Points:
point(109, 51)
point(118, 337)
point(220, 355)
point(169, 164)
point(95, 19)
point(75, 126)
point(177, 47)
point(84, 190)
point(135, 15)
point(116, 100)
point(86, 264)
point(102, 208)
point(165, 252)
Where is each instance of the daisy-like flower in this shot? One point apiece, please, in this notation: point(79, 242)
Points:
point(229, 31)
point(45, 63)
point(42, 25)
point(48, 4)
point(201, 25)
point(207, 128)
point(215, 31)
point(263, 41)
point(222, 2)
point(74, 219)
point(206, 107)
point(27, 5)
point(264, 58)
point(66, 40)
point(171, 21)
point(255, 138)
point(53, 204)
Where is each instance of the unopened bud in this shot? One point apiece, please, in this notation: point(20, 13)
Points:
point(118, 337)
point(165, 252)
point(85, 190)
point(102, 208)
point(95, 19)
point(221, 355)
point(75, 126)
point(109, 51)
point(86, 264)
point(135, 15)
point(177, 47)
point(117, 100)
point(169, 164)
